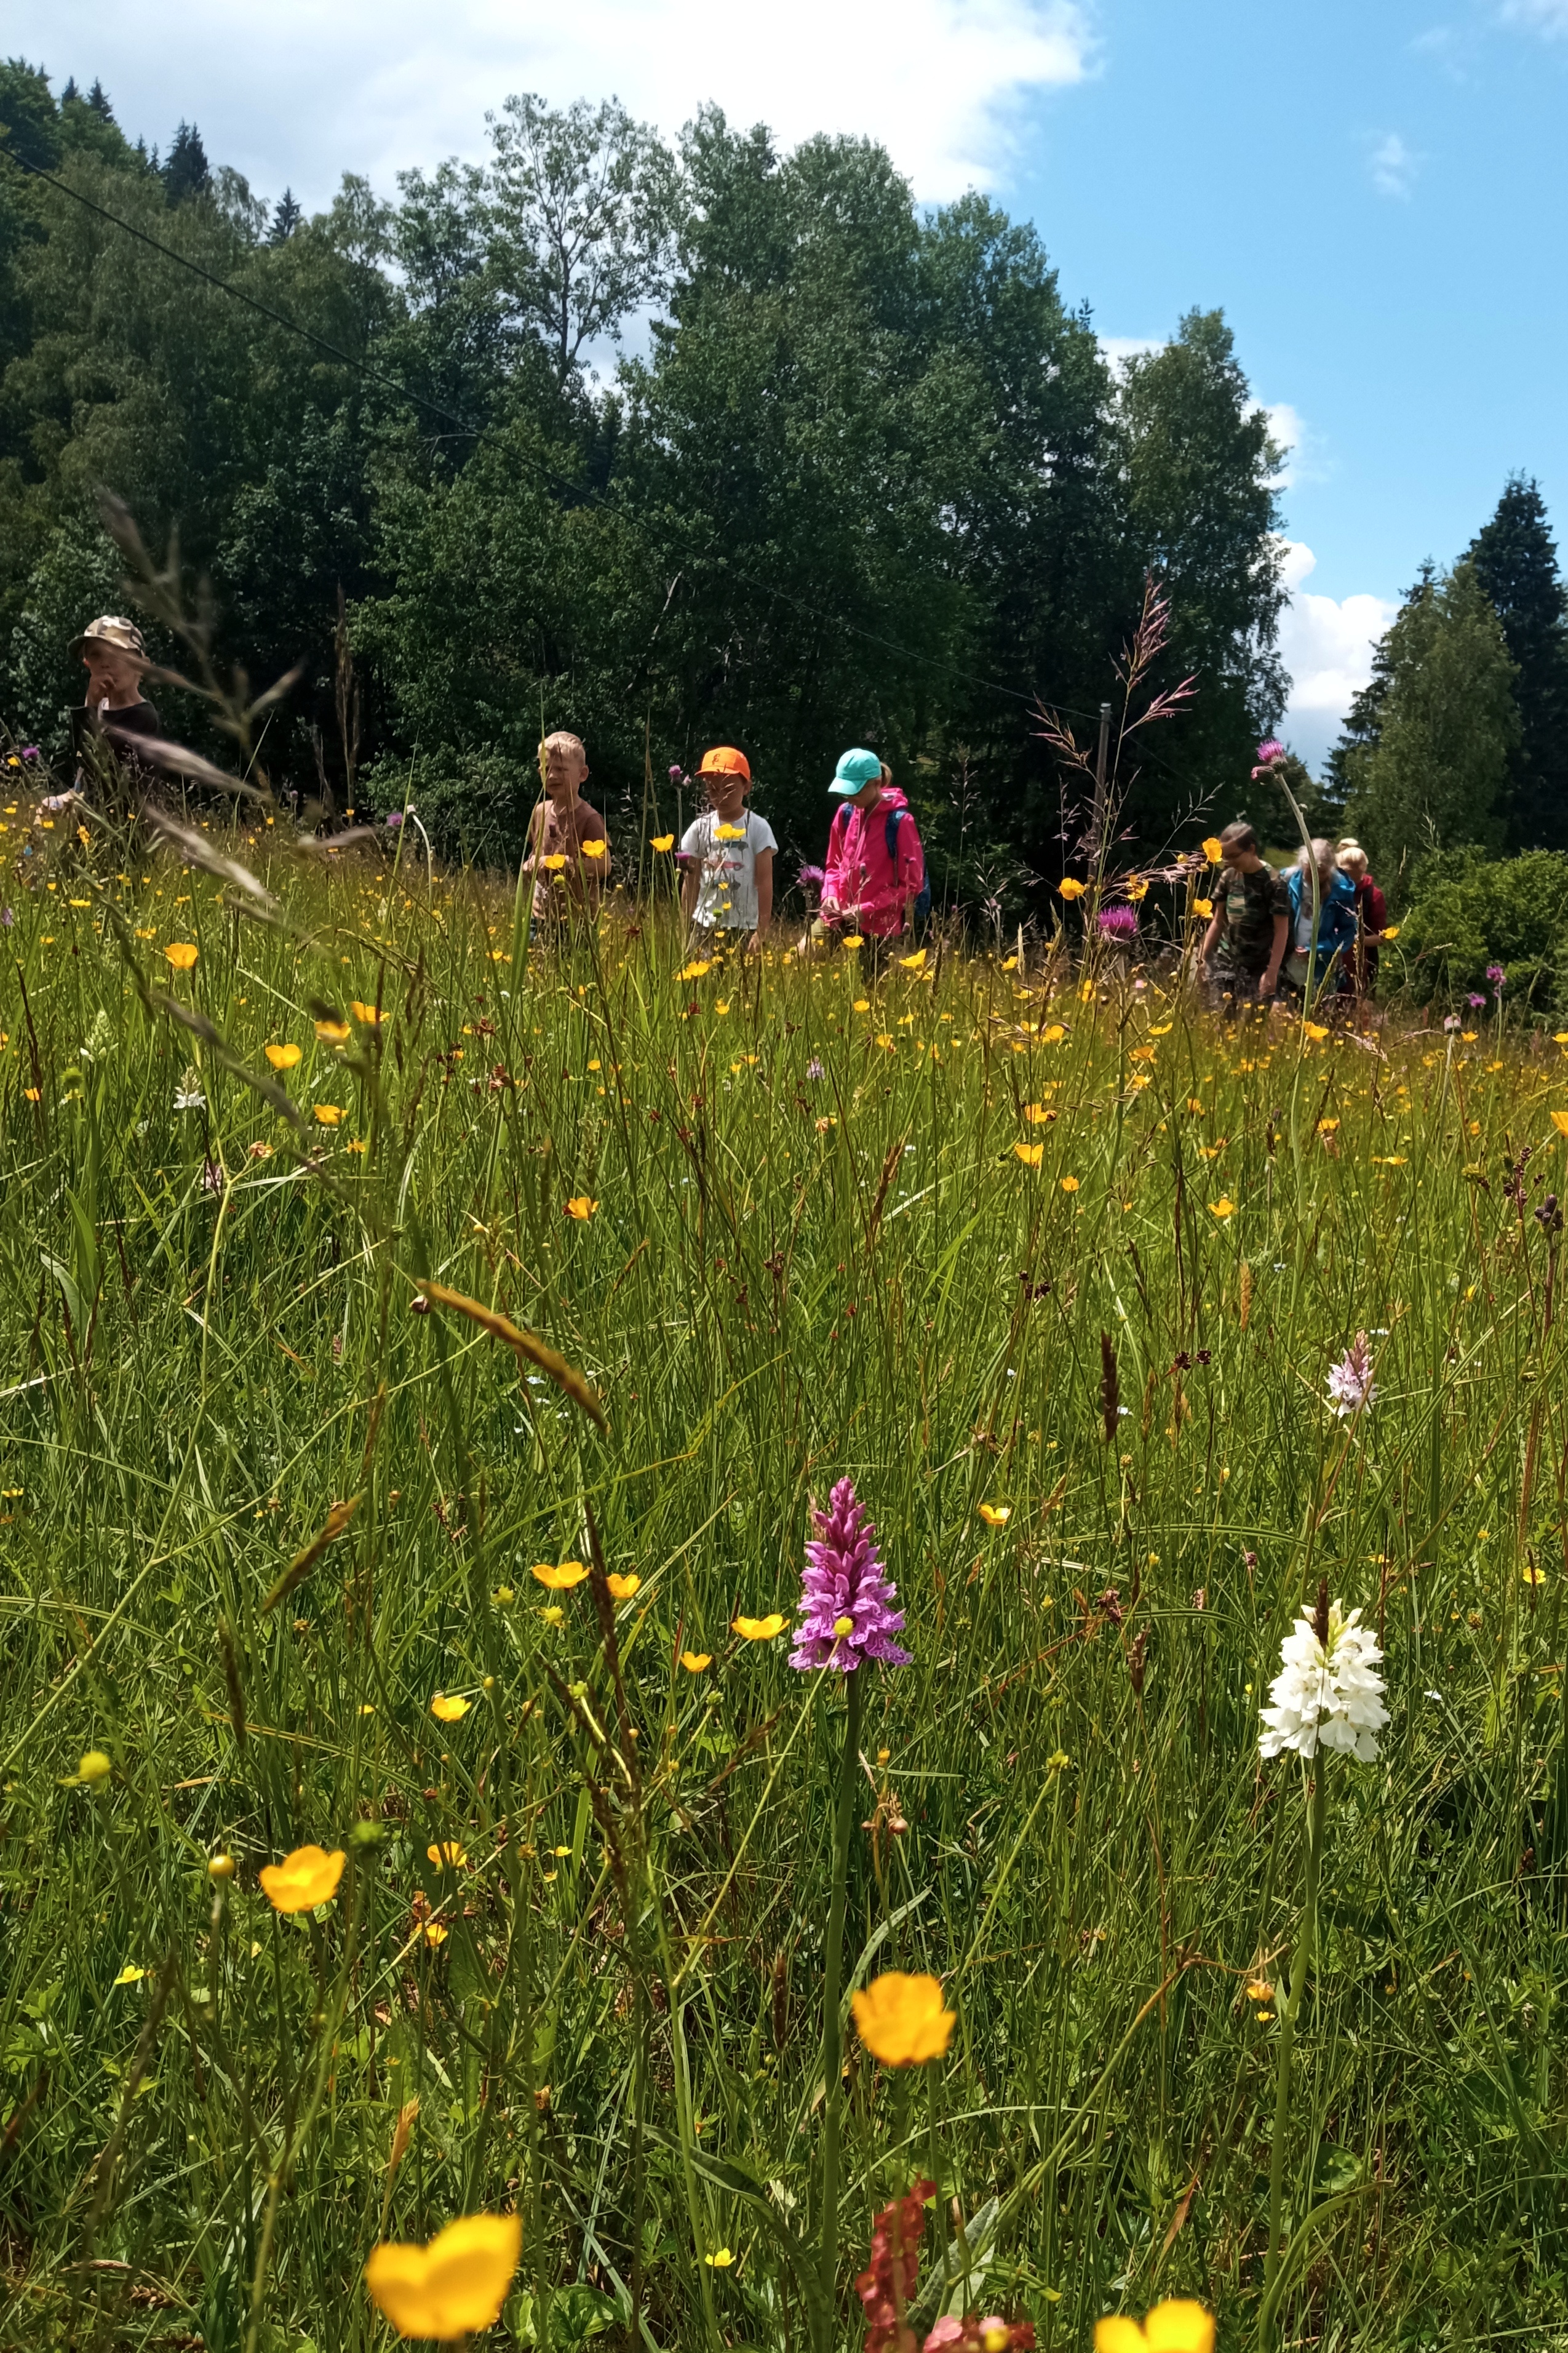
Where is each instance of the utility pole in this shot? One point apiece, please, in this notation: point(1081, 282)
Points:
point(1096, 837)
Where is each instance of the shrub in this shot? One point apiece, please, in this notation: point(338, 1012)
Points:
point(474, 805)
point(1467, 910)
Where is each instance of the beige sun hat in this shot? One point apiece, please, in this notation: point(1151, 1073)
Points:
point(111, 629)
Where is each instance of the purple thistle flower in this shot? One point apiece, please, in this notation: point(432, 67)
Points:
point(1351, 1385)
point(395, 819)
point(1118, 923)
point(844, 1592)
point(29, 751)
point(1270, 748)
point(1495, 975)
point(1473, 999)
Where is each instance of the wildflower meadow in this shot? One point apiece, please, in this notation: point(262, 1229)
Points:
point(716, 1652)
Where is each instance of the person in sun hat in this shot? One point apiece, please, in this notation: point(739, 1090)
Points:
point(115, 658)
point(727, 877)
point(875, 867)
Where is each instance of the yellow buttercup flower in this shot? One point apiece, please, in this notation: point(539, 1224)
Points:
point(719, 2260)
point(332, 1033)
point(1031, 1155)
point(1177, 2326)
point(1391, 931)
point(996, 1515)
point(1315, 1031)
point(623, 1587)
point(94, 1767)
point(130, 1974)
point(302, 1879)
point(1052, 1033)
point(554, 863)
point(1036, 1113)
point(696, 1663)
point(594, 848)
point(581, 1207)
point(853, 940)
point(760, 1629)
point(181, 953)
point(451, 1853)
point(1070, 1184)
point(1203, 907)
point(283, 1058)
point(328, 1114)
point(455, 2284)
point(697, 970)
point(663, 841)
point(729, 833)
point(558, 1576)
point(903, 2021)
point(1224, 1208)
point(1212, 847)
point(915, 963)
point(1560, 1122)
point(1137, 889)
point(1071, 888)
point(369, 1014)
point(449, 1709)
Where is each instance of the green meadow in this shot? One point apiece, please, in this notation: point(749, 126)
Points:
point(1054, 1268)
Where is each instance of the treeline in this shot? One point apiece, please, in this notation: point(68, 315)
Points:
point(866, 475)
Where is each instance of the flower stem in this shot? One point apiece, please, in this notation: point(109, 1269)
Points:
point(1289, 2010)
point(831, 2051)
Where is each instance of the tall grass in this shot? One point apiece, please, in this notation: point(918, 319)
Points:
point(814, 1250)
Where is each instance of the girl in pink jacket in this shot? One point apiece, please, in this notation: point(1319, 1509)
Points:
point(876, 868)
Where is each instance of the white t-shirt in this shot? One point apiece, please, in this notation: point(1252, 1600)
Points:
point(727, 872)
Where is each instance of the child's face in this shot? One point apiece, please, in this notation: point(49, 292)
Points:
point(565, 771)
point(111, 673)
point(726, 791)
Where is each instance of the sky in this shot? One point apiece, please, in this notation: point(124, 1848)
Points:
point(1371, 190)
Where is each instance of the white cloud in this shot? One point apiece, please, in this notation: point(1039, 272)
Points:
point(297, 92)
point(1120, 349)
point(1549, 17)
point(1304, 458)
point(1394, 166)
point(1326, 644)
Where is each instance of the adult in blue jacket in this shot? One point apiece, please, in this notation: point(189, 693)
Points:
point(1315, 958)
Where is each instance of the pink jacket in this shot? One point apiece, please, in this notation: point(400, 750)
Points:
point(859, 879)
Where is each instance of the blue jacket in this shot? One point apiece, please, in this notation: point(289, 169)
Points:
point(1337, 924)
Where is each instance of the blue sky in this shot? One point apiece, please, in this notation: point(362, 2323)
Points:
point(1373, 190)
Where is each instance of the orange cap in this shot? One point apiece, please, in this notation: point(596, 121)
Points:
point(725, 760)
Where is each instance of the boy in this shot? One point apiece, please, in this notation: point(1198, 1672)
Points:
point(875, 867)
point(1244, 946)
point(727, 884)
point(569, 870)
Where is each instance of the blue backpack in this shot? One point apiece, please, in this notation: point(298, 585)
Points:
point(920, 907)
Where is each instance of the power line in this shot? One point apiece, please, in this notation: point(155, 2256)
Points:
point(546, 473)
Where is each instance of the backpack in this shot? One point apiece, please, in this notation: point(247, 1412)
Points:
point(920, 906)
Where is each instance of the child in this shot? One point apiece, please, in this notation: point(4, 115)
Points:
point(728, 882)
point(876, 868)
point(1319, 953)
point(568, 847)
point(1244, 944)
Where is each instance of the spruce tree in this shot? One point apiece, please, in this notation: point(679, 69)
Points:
point(185, 172)
point(287, 214)
point(97, 98)
point(1435, 774)
point(1515, 560)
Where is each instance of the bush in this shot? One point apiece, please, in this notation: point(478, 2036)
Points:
point(1467, 910)
point(474, 806)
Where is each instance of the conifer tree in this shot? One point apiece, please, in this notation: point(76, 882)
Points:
point(1515, 560)
point(185, 171)
point(287, 214)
